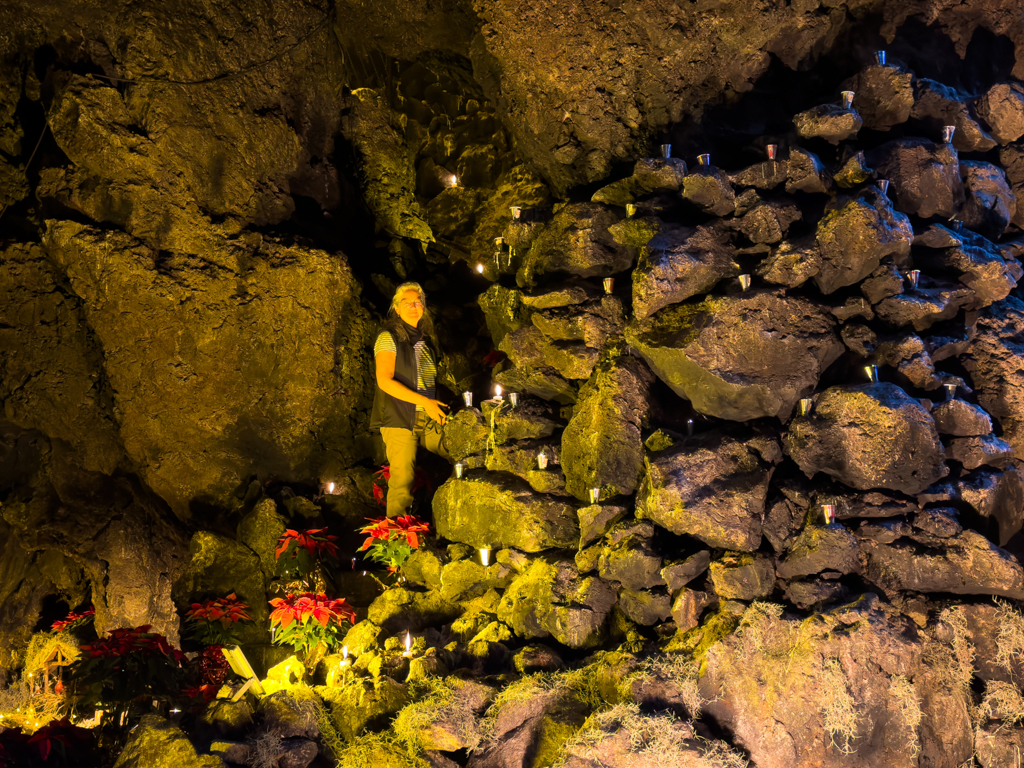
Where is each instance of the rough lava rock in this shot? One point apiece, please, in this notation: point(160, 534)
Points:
point(711, 487)
point(739, 357)
point(924, 177)
point(496, 510)
point(870, 436)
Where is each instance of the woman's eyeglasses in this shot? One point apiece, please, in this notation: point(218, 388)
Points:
point(410, 304)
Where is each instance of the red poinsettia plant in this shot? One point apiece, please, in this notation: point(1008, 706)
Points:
point(127, 665)
point(307, 620)
point(382, 477)
point(213, 621)
point(298, 553)
point(391, 540)
point(61, 740)
point(74, 620)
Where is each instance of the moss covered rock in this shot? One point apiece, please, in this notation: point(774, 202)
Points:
point(361, 704)
point(157, 743)
point(739, 357)
point(712, 486)
point(259, 531)
point(602, 446)
point(495, 510)
point(871, 436)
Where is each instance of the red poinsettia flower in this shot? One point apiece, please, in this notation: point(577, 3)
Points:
point(306, 606)
point(73, 620)
point(227, 610)
point(54, 732)
point(378, 529)
point(409, 526)
point(314, 541)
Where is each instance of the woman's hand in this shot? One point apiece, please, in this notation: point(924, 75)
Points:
point(433, 409)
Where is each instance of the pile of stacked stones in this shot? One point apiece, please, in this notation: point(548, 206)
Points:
point(796, 399)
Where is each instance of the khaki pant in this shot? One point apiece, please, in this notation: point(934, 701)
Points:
point(400, 446)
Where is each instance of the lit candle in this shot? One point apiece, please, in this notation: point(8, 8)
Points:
point(408, 644)
point(330, 488)
point(542, 460)
point(485, 556)
point(480, 268)
point(344, 656)
point(454, 181)
point(497, 392)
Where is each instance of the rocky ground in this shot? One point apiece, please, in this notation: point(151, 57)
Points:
point(760, 499)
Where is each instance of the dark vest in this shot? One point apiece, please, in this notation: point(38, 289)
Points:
point(389, 411)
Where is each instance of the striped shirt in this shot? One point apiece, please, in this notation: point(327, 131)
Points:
point(426, 369)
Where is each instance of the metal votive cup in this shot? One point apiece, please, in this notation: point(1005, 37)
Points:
point(871, 371)
point(847, 99)
point(828, 511)
point(880, 58)
point(950, 391)
point(467, 398)
point(883, 184)
point(913, 278)
point(773, 151)
point(704, 159)
point(805, 405)
point(666, 151)
point(542, 460)
point(595, 495)
point(517, 211)
point(459, 469)
point(744, 282)
point(947, 133)
point(609, 284)
point(513, 397)
point(630, 210)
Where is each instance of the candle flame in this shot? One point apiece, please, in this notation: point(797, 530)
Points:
point(480, 268)
point(408, 641)
point(344, 652)
point(497, 390)
point(330, 487)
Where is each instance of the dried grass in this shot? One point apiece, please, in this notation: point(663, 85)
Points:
point(903, 700)
point(839, 708)
point(1003, 701)
point(955, 659)
point(1010, 637)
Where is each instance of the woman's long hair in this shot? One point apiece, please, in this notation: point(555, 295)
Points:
point(394, 323)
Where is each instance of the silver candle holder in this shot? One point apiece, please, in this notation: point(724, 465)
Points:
point(871, 371)
point(950, 388)
point(913, 278)
point(880, 58)
point(772, 150)
point(483, 556)
point(947, 133)
point(595, 495)
point(847, 99)
point(805, 406)
point(956, 225)
point(609, 284)
point(459, 469)
point(513, 397)
point(704, 159)
point(883, 184)
point(517, 211)
point(542, 460)
point(744, 281)
point(499, 243)
point(666, 151)
point(630, 210)
point(467, 398)
point(828, 512)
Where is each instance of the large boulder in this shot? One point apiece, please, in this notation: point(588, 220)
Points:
point(884, 96)
point(937, 105)
point(995, 361)
point(870, 436)
point(680, 262)
point(255, 374)
point(739, 357)
point(925, 177)
point(576, 241)
point(989, 204)
point(712, 487)
point(602, 446)
point(498, 510)
point(828, 121)
point(1002, 108)
point(553, 599)
point(855, 235)
point(967, 564)
point(158, 743)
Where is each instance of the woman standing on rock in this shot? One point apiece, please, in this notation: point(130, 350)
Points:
point(404, 408)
